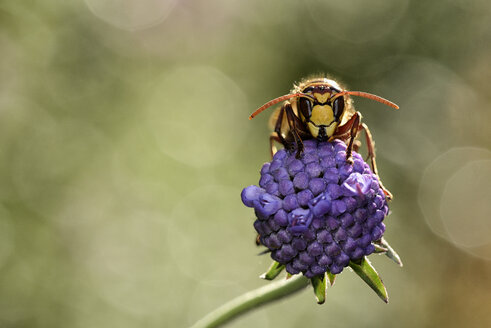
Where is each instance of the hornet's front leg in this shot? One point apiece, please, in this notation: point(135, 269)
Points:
point(277, 135)
point(349, 131)
point(294, 123)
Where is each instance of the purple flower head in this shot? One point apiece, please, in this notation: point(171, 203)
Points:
point(299, 220)
point(318, 212)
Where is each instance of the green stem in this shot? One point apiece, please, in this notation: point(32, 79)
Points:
point(251, 300)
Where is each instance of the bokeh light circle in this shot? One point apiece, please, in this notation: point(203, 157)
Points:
point(336, 18)
point(50, 155)
point(6, 236)
point(206, 233)
point(127, 263)
point(198, 115)
point(451, 197)
point(437, 90)
point(465, 206)
point(117, 241)
point(131, 15)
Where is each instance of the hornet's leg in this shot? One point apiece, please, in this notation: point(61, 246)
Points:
point(277, 135)
point(354, 133)
point(272, 138)
point(356, 145)
point(371, 157)
point(292, 123)
point(349, 131)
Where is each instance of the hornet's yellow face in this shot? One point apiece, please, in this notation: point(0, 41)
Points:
point(321, 111)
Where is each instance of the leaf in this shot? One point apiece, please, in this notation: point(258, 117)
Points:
point(391, 253)
point(366, 272)
point(273, 271)
point(331, 277)
point(320, 287)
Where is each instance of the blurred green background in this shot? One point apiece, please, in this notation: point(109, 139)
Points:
point(124, 146)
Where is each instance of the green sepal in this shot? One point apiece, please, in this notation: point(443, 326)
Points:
point(366, 272)
point(331, 277)
point(391, 253)
point(320, 287)
point(273, 271)
point(379, 248)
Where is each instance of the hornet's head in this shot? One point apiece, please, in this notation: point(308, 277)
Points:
point(320, 108)
point(321, 105)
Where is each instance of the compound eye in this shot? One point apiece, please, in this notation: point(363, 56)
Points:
point(338, 107)
point(305, 107)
